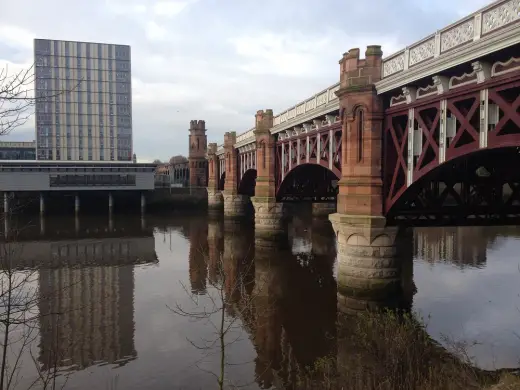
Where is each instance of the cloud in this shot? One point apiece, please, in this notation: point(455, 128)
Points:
point(170, 9)
point(220, 61)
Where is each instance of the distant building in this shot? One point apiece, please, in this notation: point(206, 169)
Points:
point(18, 150)
point(176, 172)
point(179, 170)
point(84, 108)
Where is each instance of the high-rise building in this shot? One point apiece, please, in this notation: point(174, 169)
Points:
point(84, 101)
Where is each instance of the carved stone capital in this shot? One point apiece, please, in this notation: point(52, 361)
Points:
point(368, 265)
point(215, 199)
point(268, 216)
point(235, 205)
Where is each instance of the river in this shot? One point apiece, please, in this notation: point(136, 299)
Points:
point(133, 303)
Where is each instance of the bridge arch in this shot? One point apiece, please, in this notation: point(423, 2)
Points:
point(222, 181)
point(248, 183)
point(309, 182)
point(481, 187)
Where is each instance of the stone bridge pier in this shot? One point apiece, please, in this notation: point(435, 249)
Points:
point(268, 212)
point(235, 204)
point(370, 254)
point(215, 199)
point(375, 267)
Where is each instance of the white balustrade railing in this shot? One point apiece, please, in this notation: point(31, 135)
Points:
point(314, 103)
point(487, 21)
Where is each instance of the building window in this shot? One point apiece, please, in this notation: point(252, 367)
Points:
point(360, 135)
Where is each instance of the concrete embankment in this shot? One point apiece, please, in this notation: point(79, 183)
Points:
point(177, 199)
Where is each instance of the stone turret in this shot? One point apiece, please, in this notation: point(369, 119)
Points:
point(198, 144)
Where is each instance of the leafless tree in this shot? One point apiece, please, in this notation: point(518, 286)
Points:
point(18, 309)
point(227, 308)
point(19, 295)
point(18, 97)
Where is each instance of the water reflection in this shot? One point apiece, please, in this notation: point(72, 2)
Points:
point(86, 286)
point(197, 235)
point(87, 316)
point(467, 281)
point(101, 306)
point(291, 285)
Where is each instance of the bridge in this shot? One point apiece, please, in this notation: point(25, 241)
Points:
point(426, 136)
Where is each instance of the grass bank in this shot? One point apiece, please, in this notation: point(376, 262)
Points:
point(386, 351)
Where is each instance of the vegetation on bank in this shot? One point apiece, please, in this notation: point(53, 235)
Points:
point(386, 351)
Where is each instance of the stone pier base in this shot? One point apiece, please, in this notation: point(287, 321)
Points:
point(268, 217)
point(369, 262)
point(236, 206)
point(215, 200)
point(323, 209)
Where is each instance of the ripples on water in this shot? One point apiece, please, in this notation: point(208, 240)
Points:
point(110, 286)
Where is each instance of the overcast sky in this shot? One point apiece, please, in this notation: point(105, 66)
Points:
point(220, 60)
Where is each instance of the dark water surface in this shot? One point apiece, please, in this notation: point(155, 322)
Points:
point(115, 289)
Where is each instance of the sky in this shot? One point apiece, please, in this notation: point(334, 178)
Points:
point(219, 60)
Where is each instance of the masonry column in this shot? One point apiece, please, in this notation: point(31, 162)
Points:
point(368, 259)
point(235, 205)
point(268, 212)
point(197, 153)
point(215, 199)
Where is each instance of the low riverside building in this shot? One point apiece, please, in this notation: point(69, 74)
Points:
point(74, 178)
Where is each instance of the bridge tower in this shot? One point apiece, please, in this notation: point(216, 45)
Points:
point(235, 205)
point(197, 154)
point(367, 250)
point(268, 212)
point(215, 200)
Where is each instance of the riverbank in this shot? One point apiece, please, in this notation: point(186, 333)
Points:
point(177, 200)
point(386, 351)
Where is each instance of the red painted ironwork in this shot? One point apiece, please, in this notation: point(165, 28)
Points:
point(395, 156)
point(465, 109)
point(433, 182)
point(480, 188)
point(506, 132)
point(310, 155)
point(427, 118)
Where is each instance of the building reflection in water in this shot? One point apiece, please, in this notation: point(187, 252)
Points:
point(86, 283)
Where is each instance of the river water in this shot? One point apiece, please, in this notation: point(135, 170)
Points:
point(133, 303)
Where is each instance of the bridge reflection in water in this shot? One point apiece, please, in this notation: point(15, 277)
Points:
point(296, 295)
point(287, 294)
